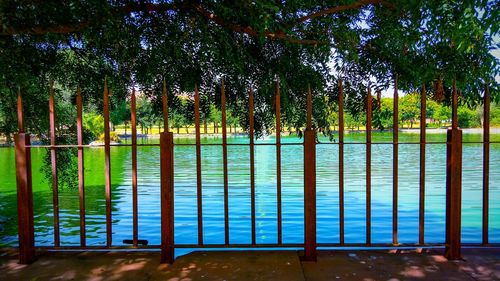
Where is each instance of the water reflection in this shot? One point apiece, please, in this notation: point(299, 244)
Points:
point(266, 208)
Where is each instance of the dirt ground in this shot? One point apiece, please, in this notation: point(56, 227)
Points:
point(479, 264)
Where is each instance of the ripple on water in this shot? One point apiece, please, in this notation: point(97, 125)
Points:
point(186, 219)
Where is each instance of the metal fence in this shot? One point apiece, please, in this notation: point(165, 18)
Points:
point(453, 178)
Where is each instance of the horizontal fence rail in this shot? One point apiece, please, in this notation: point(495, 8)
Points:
point(453, 143)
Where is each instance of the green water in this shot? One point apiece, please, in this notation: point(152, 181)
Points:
point(266, 210)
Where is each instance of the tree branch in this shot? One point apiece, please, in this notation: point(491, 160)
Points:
point(354, 6)
point(79, 26)
point(279, 34)
point(43, 30)
point(162, 7)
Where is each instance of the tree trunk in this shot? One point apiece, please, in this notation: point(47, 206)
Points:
point(215, 127)
point(178, 130)
point(205, 126)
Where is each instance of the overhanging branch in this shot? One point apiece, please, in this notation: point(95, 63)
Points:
point(79, 26)
point(354, 6)
point(273, 35)
point(162, 7)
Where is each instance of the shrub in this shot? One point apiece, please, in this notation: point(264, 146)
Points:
point(495, 116)
point(468, 118)
point(93, 124)
point(113, 137)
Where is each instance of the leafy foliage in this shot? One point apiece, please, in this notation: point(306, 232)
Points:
point(93, 124)
point(495, 116)
point(468, 118)
point(248, 43)
point(67, 168)
point(113, 137)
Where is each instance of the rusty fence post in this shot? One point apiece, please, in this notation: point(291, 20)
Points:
point(167, 196)
point(486, 164)
point(453, 184)
point(309, 186)
point(24, 199)
point(26, 227)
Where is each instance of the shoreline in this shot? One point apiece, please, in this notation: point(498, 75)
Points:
point(477, 131)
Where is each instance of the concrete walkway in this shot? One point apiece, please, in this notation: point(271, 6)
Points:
point(481, 264)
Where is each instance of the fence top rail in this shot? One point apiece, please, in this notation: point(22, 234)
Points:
point(239, 144)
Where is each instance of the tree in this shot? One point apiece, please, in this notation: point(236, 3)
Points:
point(432, 107)
point(215, 117)
point(382, 116)
point(409, 108)
point(64, 126)
point(352, 122)
point(442, 114)
point(93, 124)
point(146, 115)
point(468, 118)
point(232, 121)
point(333, 117)
point(177, 120)
point(495, 115)
point(250, 44)
point(120, 115)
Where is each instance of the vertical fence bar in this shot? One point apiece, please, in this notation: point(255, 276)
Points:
point(20, 112)
point(454, 106)
point(164, 99)
point(53, 163)
point(107, 160)
point(199, 189)
point(486, 164)
point(395, 139)
point(81, 167)
point(167, 196)
point(133, 124)
point(453, 184)
point(309, 109)
point(309, 185)
point(277, 109)
point(252, 161)
point(341, 162)
point(421, 209)
point(224, 156)
point(26, 228)
point(368, 166)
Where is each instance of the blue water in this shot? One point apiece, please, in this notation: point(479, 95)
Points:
point(266, 208)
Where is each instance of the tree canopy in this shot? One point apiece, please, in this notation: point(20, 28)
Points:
point(249, 44)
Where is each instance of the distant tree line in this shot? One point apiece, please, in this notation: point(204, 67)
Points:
point(438, 114)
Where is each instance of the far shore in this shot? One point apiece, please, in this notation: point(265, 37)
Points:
point(443, 131)
point(493, 131)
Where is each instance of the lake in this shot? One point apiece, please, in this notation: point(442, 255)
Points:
point(265, 184)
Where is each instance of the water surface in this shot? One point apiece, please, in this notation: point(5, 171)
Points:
point(266, 208)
